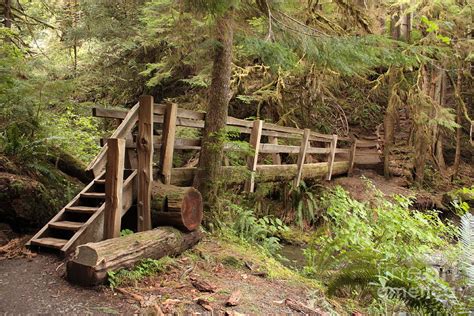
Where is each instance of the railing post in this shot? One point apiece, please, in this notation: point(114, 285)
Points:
point(167, 142)
point(332, 156)
point(302, 155)
point(113, 187)
point(255, 138)
point(145, 162)
point(276, 158)
point(131, 159)
point(352, 156)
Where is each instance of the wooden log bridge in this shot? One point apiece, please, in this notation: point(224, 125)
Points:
point(149, 135)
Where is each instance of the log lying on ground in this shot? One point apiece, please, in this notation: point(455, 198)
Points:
point(180, 207)
point(264, 173)
point(92, 261)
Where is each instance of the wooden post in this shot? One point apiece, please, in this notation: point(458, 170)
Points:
point(302, 155)
point(332, 156)
point(131, 159)
point(352, 156)
point(255, 138)
point(276, 158)
point(113, 187)
point(168, 138)
point(145, 161)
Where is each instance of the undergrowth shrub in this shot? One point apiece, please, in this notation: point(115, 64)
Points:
point(239, 220)
point(378, 251)
point(302, 204)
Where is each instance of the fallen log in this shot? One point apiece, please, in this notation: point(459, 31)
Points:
point(180, 207)
point(264, 173)
point(92, 261)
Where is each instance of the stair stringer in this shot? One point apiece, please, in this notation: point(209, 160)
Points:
point(61, 212)
point(93, 230)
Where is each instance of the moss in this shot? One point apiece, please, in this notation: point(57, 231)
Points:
point(244, 252)
point(296, 236)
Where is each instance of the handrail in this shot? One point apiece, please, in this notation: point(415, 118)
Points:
point(97, 165)
point(171, 116)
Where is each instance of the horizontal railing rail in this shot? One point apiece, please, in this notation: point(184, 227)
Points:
point(264, 138)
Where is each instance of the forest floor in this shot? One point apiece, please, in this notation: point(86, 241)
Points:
point(36, 284)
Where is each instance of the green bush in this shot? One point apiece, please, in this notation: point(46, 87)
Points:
point(378, 250)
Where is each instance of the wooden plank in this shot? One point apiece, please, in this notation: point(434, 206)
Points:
point(97, 165)
point(93, 195)
point(342, 150)
point(302, 155)
point(232, 121)
point(82, 209)
point(252, 161)
point(284, 129)
point(331, 157)
point(352, 156)
point(109, 113)
point(145, 162)
point(49, 242)
point(276, 149)
point(367, 144)
point(131, 157)
point(66, 225)
point(276, 158)
point(113, 187)
point(168, 140)
point(318, 150)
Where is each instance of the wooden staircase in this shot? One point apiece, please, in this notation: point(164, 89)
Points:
point(81, 220)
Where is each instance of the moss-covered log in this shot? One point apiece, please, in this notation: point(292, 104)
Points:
point(264, 173)
point(92, 261)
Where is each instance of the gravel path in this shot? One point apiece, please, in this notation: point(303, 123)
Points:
point(38, 287)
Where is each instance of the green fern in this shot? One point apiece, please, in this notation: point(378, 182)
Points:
point(467, 247)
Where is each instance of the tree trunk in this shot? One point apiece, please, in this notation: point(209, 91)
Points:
point(92, 261)
point(438, 98)
point(457, 155)
point(398, 32)
point(7, 14)
point(210, 161)
point(421, 134)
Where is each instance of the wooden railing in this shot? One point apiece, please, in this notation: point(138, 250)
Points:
point(264, 139)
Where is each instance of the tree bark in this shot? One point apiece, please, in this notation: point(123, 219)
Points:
point(92, 261)
point(210, 161)
point(457, 155)
point(7, 14)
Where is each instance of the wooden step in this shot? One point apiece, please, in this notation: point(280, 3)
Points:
point(66, 225)
point(93, 195)
point(50, 242)
point(82, 209)
point(99, 181)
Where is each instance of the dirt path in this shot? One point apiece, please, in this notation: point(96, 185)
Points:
point(38, 287)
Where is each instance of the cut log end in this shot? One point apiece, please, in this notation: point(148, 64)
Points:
point(181, 207)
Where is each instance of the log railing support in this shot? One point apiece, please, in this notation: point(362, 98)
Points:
point(145, 162)
point(168, 138)
point(352, 156)
point(255, 138)
point(276, 158)
point(114, 187)
point(332, 156)
point(302, 155)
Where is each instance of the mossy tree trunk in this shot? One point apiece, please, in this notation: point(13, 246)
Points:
point(210, 160)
